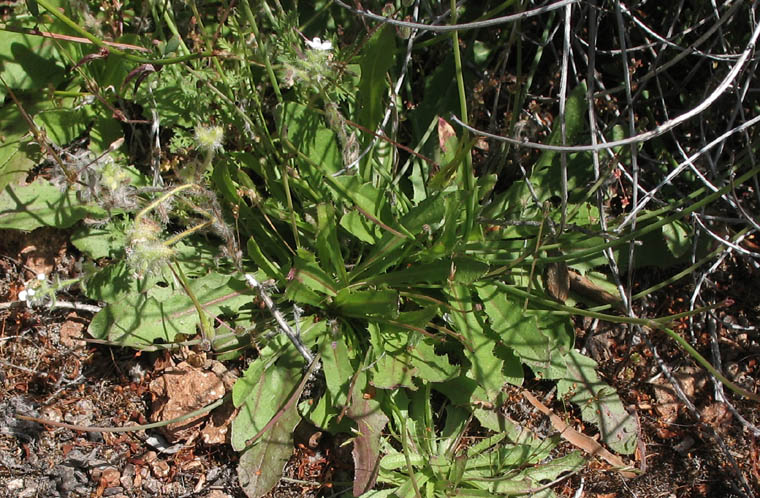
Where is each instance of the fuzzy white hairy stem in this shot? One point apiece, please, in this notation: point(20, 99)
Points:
point(292, 336)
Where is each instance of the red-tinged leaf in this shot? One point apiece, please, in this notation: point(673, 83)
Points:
point(445, 132)
point(370, 421)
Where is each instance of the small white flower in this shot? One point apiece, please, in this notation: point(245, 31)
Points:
point(22, 295)
point(30, 292)
point(318, 44)
point(41, 277)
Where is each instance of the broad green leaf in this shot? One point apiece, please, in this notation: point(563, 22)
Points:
point(63, 126)
point(18, 151)
point(160, 313)
point(307, 272)
point(260, 393)
point(533, 477)
point(247, 384)
point(677, 237)
point(377, 58)
point(599, 403)
point(359, 226)
point(29, 62)
point(534, 345)
point(576, 112)
point(267, 266)
point(105, 130)
point(336, 364)
point(306, 130)
point(388, 251)
point(262, 464)
point(390, 371)
point(107, 241)
point(362, 304)
point(41, 204)
point(431, 367)
point(364, 195)
point(485, 366)
point(328, 247)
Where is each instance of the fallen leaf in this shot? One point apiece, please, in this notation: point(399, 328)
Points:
point(579, 440)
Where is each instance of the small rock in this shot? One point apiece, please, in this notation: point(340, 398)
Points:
point(71, 330)
point(15, 484)
point(151, 485)
point(127, 476)
point(216, 430)
point(160, 468)
point(180, 390)
point(28, 493)
point(685, 445)
point(52, 413)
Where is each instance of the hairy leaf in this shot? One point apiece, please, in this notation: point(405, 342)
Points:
point(41, 204)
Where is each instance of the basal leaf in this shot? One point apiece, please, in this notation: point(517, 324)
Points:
point(260, 393)
point(359, 226)
point(336, 362)
point(63, 126)
point(522, 334)
point(328, 247)
point(29, 62)
point(377, 58)
point(18, 151)
point(392, 368)
point(431, 367)
point(677, 237)
point(599, 403)
point(261, 465)
point(362, 304)
point(306, 130)
point(41, 204)
point(485, 366)
point(107, 241)
point(370, 422)
point(140, 318)
point(307, 272)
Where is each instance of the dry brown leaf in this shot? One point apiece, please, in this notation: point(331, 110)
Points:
point(579, 440)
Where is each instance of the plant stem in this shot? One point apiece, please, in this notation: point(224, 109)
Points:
point(113, 50)
point(466, 173)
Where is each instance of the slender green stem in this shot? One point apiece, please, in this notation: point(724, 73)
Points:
point(406, 450)
point(466, 173)
point(131, 428)
point(260, 41)
point(169, 19)
point(186, 233)
point(675, 278)
point(161, 199)
point(112, 50)
point(654, 226)
point(286, 185)
point(207, 331)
